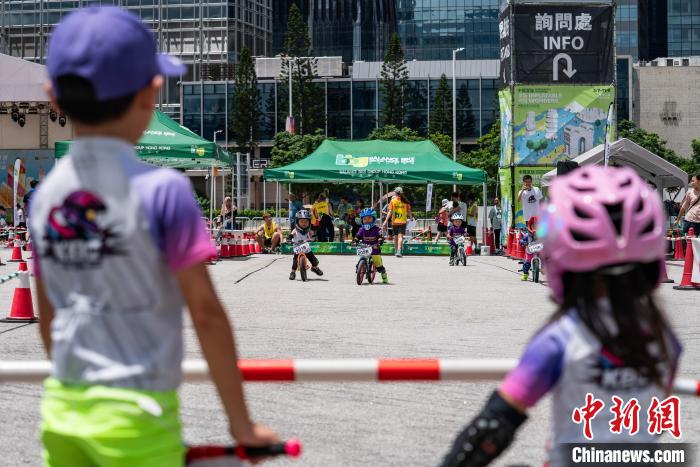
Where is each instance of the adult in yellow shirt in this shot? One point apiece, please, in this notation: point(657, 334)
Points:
point(322, 212)
point(399, 212)
point(269, 235)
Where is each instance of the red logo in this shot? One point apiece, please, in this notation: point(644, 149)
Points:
point(665, 416)
point(587, 413)
point(626, 417)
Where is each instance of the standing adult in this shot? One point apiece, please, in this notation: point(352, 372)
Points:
point(229, 212)
point(19, 216)
point(28, 196)
point(496, 219)
point(295, 205)
point(345, 215)
point(461, 205)
point(443, 219)
point(530, 196)
point(472, 218)
point(323, 213)
point(690, 207)
point(354, 220)
point(399, 212)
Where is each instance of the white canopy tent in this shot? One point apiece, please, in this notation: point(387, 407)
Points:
point(626, 153)
point(21, 81)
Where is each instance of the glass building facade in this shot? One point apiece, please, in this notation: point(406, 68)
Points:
point(683, 28)
point(352, 107)
point(627, 28)
point(352, 29)
point(431, 29)
point(205, 34)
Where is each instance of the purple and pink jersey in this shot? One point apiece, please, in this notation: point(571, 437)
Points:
point(567, 360)
point(453, 231)
point(372, 237)
point(110, 232)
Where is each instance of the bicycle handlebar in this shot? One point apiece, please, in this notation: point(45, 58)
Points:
point(291, 448)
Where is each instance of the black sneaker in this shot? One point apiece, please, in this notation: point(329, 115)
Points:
point(317, 270)
point(292, 275)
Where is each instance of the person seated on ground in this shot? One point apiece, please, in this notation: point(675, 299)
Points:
point(456, 229)
point(371, 234)
point(528, 237)
point(269, 235)
point(301, 233)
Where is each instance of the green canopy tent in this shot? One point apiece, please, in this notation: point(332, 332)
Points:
point(405, 162)
point(169, 144)
point(166, 143)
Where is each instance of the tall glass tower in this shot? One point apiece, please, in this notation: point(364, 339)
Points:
point(206, 34)
point(683, 28)
point(431, 29)
point(352, 29)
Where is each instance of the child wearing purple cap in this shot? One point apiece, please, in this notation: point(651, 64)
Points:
point(121, 249)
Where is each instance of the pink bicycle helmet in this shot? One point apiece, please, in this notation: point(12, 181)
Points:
point(599, 217)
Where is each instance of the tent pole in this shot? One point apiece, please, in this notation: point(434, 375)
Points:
point(238, 180)
point(211, 196)
point(372, 205)
point(264, 185)
point(483, 219)
point(233, 221)
point(278, 202)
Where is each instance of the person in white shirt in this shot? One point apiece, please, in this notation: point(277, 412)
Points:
point(530, 196)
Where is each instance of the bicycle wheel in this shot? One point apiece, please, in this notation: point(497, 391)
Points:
point(536, 270)
point(361, 271)
point(463, 256)
point(302, 267)
point(371, 273)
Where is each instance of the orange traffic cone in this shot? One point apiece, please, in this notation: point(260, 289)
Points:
point(237, 247)
point(17, 250)
point(225, 246)
point(664, 276)
point(521, 247)
point(470, 248)
point(22, 310)
point(687, 282)
point(678, 251)
point(257, 247)
point(509, 242)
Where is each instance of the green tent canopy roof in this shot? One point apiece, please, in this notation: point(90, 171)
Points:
point(167, 143)
point(379, 160)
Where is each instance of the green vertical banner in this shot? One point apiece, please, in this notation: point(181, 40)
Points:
point(505, 103)
point(558, 122)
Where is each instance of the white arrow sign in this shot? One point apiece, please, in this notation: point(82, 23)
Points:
point(568, 71)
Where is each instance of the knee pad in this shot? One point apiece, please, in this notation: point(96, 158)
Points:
point(381, 269)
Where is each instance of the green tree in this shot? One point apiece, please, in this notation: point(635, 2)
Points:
point(246, 102)
point(394, 133)
point(394, 76)
point(466, 123)
point(486, 156)
point(441, 113)
point(306, 95)
point(443, 142)
point(288, 148)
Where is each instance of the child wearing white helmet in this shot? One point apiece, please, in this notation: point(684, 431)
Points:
point(608, 342)
point(301, 234)
point(456, 229)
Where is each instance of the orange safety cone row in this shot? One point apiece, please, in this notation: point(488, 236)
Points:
point(17, 250)
point(687, 281)
point(509, 242)
point(22, 310)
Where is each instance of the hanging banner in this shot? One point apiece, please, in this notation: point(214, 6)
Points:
point(429, 197)
point(609, 131)
point(16, 182)
point(562, 44)
point(553, 123)
point(505, 102)
point(505, 46)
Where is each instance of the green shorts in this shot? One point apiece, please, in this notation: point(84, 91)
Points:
point(88, 426)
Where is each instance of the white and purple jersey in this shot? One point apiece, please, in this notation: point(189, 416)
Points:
point(566, 359)
point(110, 231)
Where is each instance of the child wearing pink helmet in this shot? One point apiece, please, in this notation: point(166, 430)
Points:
point(603, 235)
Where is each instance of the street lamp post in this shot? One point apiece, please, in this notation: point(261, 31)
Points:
point(212, 191)
point(454, 106)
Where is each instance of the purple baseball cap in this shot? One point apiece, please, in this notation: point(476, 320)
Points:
point(111, 48)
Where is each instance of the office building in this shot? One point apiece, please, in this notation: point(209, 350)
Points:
point(431, 29)
point(352, 102)
point(352, 29)
point(667, 101)
point(683, 28)
point(641, 29)
point(206, 35)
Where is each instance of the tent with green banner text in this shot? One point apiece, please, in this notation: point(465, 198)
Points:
point(167, 143)
point(377, 160)
point(404, 162)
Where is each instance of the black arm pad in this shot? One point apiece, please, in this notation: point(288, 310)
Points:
point(487, 436)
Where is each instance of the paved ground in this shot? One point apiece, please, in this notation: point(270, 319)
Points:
point(482, 311)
